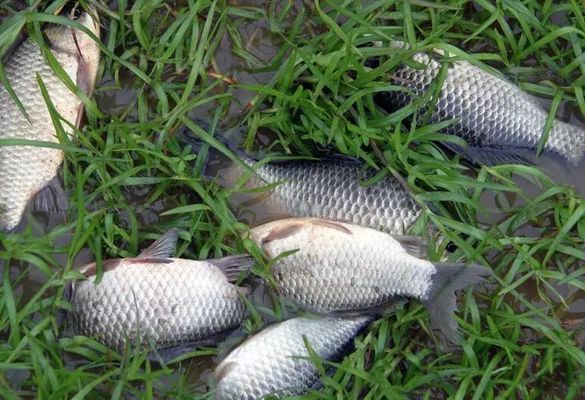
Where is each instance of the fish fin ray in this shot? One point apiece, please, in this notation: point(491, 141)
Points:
point(414, 245)
point(491, 156)
point(51, 198)
point(333, 224)
point(441, 302)
point(170, 354)
point(163, 247)
point(231, 266)
point(282, 232)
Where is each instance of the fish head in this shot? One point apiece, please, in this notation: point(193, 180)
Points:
point(79, 48)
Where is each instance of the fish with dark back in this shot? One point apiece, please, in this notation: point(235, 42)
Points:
point(499, 122)
point(331, 187)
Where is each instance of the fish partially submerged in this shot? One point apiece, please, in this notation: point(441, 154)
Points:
point(339, 267)
point(156, 301)
point(30, 172)
point(500, 122)
point(276, 360)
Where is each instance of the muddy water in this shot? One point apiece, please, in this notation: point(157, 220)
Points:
point(117, 101)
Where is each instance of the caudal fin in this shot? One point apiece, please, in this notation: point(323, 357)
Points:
point(442, 301)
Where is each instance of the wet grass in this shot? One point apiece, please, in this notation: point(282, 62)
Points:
point(129, 180)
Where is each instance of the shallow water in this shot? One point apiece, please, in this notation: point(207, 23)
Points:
point(115, 101)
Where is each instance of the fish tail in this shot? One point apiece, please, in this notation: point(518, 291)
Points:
point(231, 266)
point(441, 301)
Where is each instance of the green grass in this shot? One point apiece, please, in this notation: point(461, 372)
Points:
point(129, 180)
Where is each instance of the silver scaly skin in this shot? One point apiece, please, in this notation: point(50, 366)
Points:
point(269, 363)
point(160, 301)
point(494, 116)
point(340, 267)
point(26, 170)
point(330, 188)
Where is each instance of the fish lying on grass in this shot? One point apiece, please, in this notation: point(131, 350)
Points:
point(157, 301)
point(276, 360)
point(326, 188)
point(494, 117)
point(28, 172)
point(340, 267)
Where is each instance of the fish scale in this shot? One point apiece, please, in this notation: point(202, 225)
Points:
point(271, 362)
point(329, 266)
point(491, 112)
point(25, 170)
point(335, 271)
point(330, 188)
point(167, 303)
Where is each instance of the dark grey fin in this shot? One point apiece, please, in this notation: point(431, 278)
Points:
point(374, 312)
point(68, 293)
point(231, 266)
point(329, 154)
point(163, 247)
point(282, 232)
point(413, 245)
point(171, 354)
point(441, 301)
point(51, 198)
point(187, 136)
point(331, 224)
point(491, 156)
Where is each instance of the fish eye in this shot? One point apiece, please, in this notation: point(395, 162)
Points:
point(75, 12)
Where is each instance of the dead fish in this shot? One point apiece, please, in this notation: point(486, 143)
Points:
point(337, 267)
point(28, 172)
point(157, 301)
point(500, 122)
point(276, 360)
point(330, 187)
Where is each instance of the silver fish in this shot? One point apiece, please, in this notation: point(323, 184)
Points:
point(331, 188)
point(26, 170)
point(494, 116)
point(340, 267)
point(159, 301)
point(275, 361)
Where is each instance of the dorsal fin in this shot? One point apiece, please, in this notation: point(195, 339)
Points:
point(333, 224)
point(163, 247)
